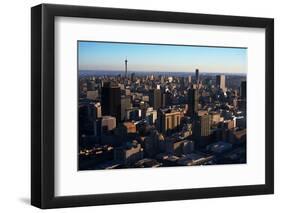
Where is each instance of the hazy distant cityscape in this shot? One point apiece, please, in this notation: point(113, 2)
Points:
point(144, 119)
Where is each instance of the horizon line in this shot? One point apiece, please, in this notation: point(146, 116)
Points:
point(157, 71)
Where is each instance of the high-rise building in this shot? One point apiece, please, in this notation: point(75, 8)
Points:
point(164, 99)
point(189, 81)
point(197, 76)
point(126, 67)
point(242, 102)
point(125, 105)
point(220, 82)
point(202, 129)
point(86, 119)
point(182, 82)
point(162, 79)
point(168, 120)
point(155, 98)
point(193, 101)
point(150, 115)
point(97, 110)
point(243, 90)
point(111, 100)
point(133, 76)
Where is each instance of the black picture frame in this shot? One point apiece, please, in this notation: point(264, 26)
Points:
point(43, 102)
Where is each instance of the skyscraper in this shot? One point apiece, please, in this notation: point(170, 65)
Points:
point(220, 82)
point(168, 120)
point(97, 110)
point(133, 76)
point(125, 105)
point(189, 80)
point(126, 67)
point(243, 90)
point(193, 100)
point(111, 100)
point(197, 76)
point(97, 115)
point(243, 95)
point(155, 98)
point(202, 129)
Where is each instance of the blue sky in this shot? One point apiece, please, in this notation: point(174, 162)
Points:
point(151, 57)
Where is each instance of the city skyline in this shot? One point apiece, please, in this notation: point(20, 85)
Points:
point(160, 58)
point(130, 118)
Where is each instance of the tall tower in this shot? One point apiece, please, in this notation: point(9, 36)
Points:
point(243, 90)
point(155, 98)
point(202, 129)
point(220, 81)
point(197, 76)
point(193, 101)
point(126, 67)
point(111, 100)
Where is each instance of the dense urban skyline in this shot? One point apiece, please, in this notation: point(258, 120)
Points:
point(110, 56)
point(139, 121)
point(130, 119)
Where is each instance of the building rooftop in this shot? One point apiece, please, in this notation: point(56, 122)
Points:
point(219, 147)
point(108, 117)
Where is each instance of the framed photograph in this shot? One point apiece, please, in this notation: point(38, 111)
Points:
point(139, 106)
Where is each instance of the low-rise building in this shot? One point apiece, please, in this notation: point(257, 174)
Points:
point(128, 154)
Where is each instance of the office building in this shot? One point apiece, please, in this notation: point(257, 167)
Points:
point(168, 120)
point(128, 154)
point(133, 77)
point(97, 110)
point(126, 67)
point(220, 82)
point(93, 95)
point(96, 118)
point(189, 81)
point(151, 115)
point(202, 129)
point(108, 123)
point(197, 79)
point(243, 90)
point(215, 118)
point(193, 101)
point(130, 127)
point(179, 147)
point(111, 100)
point(155, 98)
point(125, 105)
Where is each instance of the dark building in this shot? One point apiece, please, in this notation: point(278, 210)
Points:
point(182, 82)
point(193, 100)
point(166, 99)
point(126, 67)
point(128, 154)
point(155, 98)
point(86, 119)
point(111, 100)
point(133, 76)
point(91, 86)
point(197, 76)
point(202, 129)
point(243, 90)
point(163, 100)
